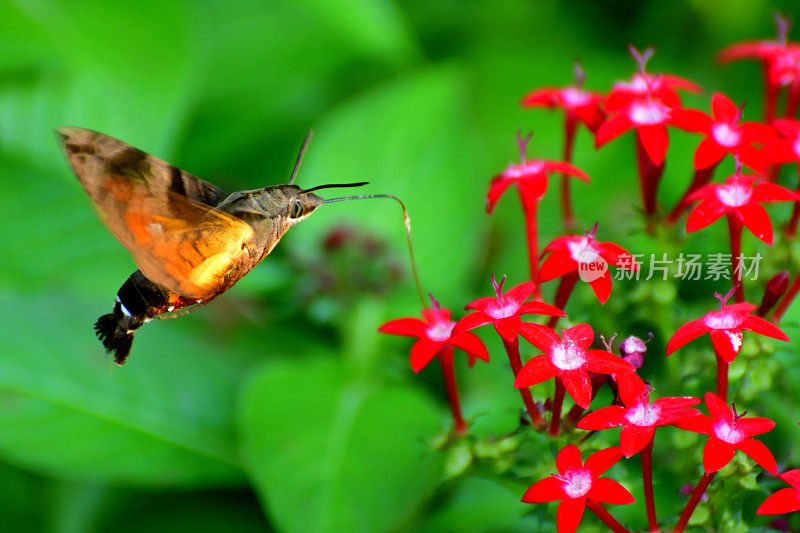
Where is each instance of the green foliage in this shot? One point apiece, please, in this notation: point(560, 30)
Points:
point(280, 408)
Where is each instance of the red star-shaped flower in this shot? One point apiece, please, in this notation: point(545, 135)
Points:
point(578, 482)
point(787, 148)
point(434, 333)
point(530, 177)
point(576, 101)
point(740, 196)
point(728, 432)
point(504, 311)
point(725, 327)
point(645, 104)
point(785, 500)
point(569, 358)
point(725, 134)
point(638, 418)
point(589, 258)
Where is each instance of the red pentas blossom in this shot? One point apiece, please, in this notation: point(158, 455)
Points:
point(577, 102)
point(504, 311)
point(434, 332)
point(785, 500)
point(638, 417)
point(583, 255)
point(729, 431)
point(740, 196)
point(725, 134)
point(569, 358)
point(787, 148)
point(645, 104)
point(577, 484)
point(725, 328)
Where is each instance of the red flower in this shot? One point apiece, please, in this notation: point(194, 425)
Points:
point(530, 178)
point(638, 418)
point(434, 333)
point(576, 101)
point(569, 358)
point(645, 104)
point(740, 196)
point(504, 311)
point(578, 482)
point(728, 432)
point(725, 134)
point(589, 258)
point(725, 327)
point(785, 500)
point(787, 148)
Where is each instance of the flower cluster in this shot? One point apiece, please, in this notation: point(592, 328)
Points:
point(574, 359)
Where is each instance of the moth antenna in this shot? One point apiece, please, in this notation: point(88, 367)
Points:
point(406, 223)
point(300, 155)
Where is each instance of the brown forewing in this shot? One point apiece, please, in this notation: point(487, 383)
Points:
point(177, 240)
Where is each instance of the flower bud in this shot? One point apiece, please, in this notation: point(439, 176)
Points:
point(776, 288)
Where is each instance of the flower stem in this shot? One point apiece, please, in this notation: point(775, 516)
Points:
point(558, 402)
point(792, 100)
point(649, 176)
point(512, 348)
point(605, 516)
point(735, 227)
point(567, 216)
point(722, 378)
point(531, 205)
point(787, 300)
point(701, 177)
point(705, 481)
point(446, 360)
point(564, 291)
point(647, 479)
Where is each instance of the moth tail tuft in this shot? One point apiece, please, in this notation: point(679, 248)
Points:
point(114, 336)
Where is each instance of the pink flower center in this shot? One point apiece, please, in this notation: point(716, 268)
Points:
point(796, 146)
point(577, 483)
point(643, 415)
point(648, 112)
point(574, 97)
point(726, 134)
point(728, 433)
point(503, 310)
point(440, 330)
point(567, 355)
point(723, 320)
point(528, 168)
point(733, 194)
point(583, 251)
point(633, 344)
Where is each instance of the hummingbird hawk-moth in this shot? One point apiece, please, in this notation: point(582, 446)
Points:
point(191, 240)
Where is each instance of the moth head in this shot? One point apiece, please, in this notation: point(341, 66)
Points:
point(301, 203)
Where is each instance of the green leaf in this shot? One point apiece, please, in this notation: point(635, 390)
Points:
point(328, 454)
point(163, 419)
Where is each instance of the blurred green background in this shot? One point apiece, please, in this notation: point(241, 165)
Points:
point(279, 406)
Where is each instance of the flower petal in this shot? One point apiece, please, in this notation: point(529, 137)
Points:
point(496, 190)
point(792, 477)
point(706, 213)
point(770, 192)
point(697, 424)
point(755, 217)
point(409, 327)
point(727, 343)
point(685, 334)
point(471, 344)
point(566, 168)
point(568, 458)
point(718, 409)
point(556, 264)
point(580, 334)
point(760, 454)
point(602, 460)
point(472, 321)
point(569, 514)
point(708, 153)
point(755, 426)
point(604, 362)
point(612, 128)
point(783, 501)
point(604, 418)
point(521, 292)
point(535, 371)
point(609, 491)
point(690, 120)
point(717, 454)
point(602, 287)
point(633, 439)
point(540, 336)
point(758, 325)
point(723, 107)
point(548, 489)
point(508, 327)
point(422, 353)
point(579, 386)
point(655, 140)
point(540, 308)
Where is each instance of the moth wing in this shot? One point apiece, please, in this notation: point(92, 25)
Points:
point(178, 242)
point(88, 151)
